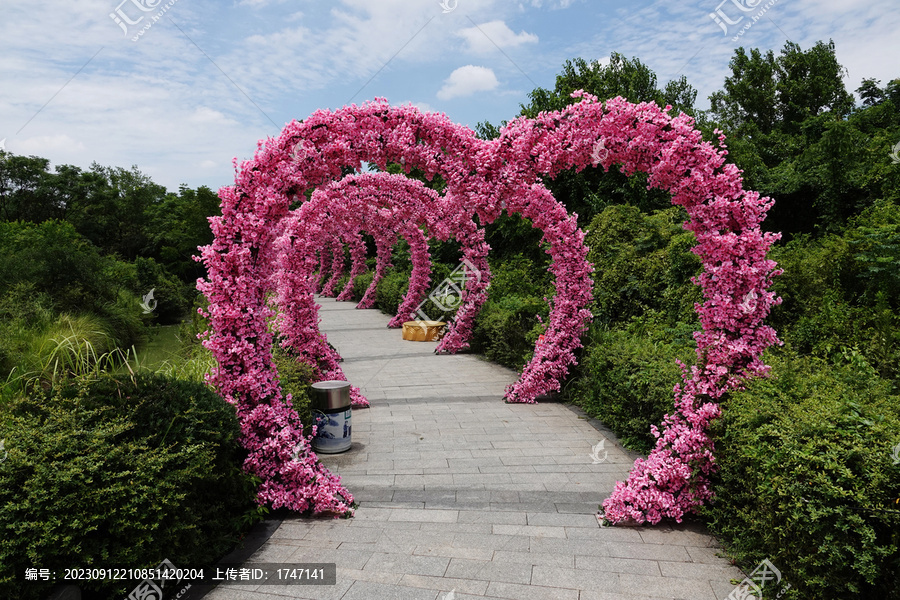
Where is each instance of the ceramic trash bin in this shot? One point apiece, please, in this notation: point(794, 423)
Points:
point(330, 407)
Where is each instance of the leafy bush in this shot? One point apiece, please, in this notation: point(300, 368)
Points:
point(391, 290)
point(341, 282)
point(627, 377)
point(361, 284)
point(642, 262)
point(295, 378)
point(119, 473)
point(806, 478)
point(836, 298)
point(171, 295)
point(506, 329)
point(69, 275)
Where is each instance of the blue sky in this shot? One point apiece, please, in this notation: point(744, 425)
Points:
point(207, 80)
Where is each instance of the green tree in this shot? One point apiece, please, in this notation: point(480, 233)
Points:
point(177, 225)
point(625, 77)
point(27, 189)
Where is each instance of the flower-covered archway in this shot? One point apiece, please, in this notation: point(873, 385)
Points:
point(485, 178)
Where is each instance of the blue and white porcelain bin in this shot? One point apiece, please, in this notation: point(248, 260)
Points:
point(330, 407)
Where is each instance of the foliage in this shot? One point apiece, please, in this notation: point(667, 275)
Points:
point(506, 329)
point(508, 325)
point(793, 131)
point(391, 290)
point(806, 478)
point(295, 377)
point(627, 377)
point(838, 292)
point(361, 283)
point(118, 472)
point(642, 263)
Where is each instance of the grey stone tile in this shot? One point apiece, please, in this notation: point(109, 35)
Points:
point(649, 551)
point(665, 587)
point(451, 552)
point(408, 563)
point(481, 570)
point(493, 517)
point(536, 558)
point(514, 591)
point(618, 565)
point(563, 520)
point(552, 576)
point(719, 572)
point(423, 515)
point(539, 531)
point(368, 590)
point(446, 584)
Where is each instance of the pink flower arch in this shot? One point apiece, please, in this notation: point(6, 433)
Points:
point(485, 178)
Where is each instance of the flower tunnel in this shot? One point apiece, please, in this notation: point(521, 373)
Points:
point(261, 245)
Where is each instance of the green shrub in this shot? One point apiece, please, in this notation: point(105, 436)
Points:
point(836, 295)
point(295, 378)
point(507, 328)
point(391, 290)
point(172, 297)
point(341, 283)
point(119, 473)
point(642, 262)
point(627, 377)
point(361, 284)
point(806, 478)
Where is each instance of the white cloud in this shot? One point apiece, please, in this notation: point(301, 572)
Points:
point(466, 81)
point(486, 37)
point(45, 145)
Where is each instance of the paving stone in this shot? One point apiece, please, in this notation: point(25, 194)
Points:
point(535, 558)
point(665, 587)
point(368, 590)
point(618, 565)
point(551, 576)
point(407, 563)
point(446, 584)
point(489, 571)
point(451, 552)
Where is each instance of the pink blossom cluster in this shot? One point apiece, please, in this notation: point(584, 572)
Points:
point(261, 246)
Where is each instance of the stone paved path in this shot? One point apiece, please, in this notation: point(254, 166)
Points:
point(463, 496)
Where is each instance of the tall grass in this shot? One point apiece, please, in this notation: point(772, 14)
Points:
point(80, 347)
